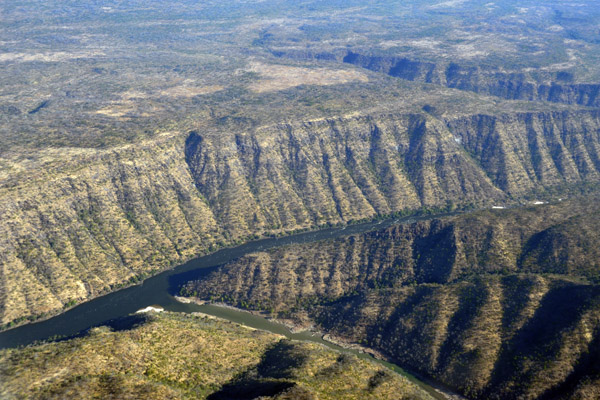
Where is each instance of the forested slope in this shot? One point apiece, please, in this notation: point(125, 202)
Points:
point(497, 304)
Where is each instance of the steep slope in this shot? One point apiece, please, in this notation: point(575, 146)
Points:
point(110, 218)
point(348, 168)
point(517, 336)
point(333, 170)
point(177, 356)
point(530, 84)
point(554, 87)
point(550, 239)
point(522, 152)
point(496, 304)
point(76, 223)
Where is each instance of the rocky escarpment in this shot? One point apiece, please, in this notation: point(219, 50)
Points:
point(525, 151)
point(557, 87)
point(333, 170)
point(95, 220)
point(111, 218)
point(550, 239)
point(348, 168)
point(497, 304)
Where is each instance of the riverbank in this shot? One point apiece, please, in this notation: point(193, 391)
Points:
point(268, 240)
point(158, 288)
point(180, 355)
point(307, 332)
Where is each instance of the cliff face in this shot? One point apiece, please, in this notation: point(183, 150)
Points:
point(333, 170)
point(493, 303)
point(556, 87)
point(76, 225)
point(532, 149)
point(348, 168)
point(116, 216)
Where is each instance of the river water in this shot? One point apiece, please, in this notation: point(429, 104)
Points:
point(159, 290)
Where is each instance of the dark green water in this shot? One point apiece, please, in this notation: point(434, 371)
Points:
point(161, 288)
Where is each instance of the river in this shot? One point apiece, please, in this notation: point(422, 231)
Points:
point(159, 290)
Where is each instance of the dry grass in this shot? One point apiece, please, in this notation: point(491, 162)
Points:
point(132, 102)
point(55, 56)
point(280, 77)
point(184, 356)
point(186, 90)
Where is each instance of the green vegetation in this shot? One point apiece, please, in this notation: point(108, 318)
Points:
point(178, 356)
point(204, 125)
point(496, 303)
point(135, 136)
point(135, 210)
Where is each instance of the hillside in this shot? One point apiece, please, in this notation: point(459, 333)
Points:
point(177, 356)
point(496, 304)
point(136, 136)
point(554, 87)
point(86, 222)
